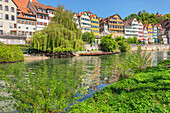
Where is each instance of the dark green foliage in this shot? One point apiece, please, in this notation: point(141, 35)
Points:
point(147, 18)
point(61, 33)
point(88, 37)
point(10, 53)
point(108, 43)
point(146, 92)
point(123, 44)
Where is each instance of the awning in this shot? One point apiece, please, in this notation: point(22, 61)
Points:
point(142, 39)
point(14, 30)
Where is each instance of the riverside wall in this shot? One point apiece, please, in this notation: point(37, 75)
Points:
point(151, 47)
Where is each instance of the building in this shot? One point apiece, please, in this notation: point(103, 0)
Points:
point(8, 17)
point(76, 20)
point(145, 31)
point(166, 29)
point(131, 28)
point(85, 22)
point(155, 38)
point(26, 20)
point(114, 24)
point(103, 27)
point(12, 39)
point(150, 32)
point(43, 13)
point(94, 25)
point(140, 31)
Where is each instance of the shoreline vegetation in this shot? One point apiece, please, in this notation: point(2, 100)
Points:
point(10, 54)
point(146, 91)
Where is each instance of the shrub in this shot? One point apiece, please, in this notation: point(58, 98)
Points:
point(108, 43)
point(10, 53)
point(124, 46)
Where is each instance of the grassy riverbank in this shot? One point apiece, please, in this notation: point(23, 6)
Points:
point(147, 91)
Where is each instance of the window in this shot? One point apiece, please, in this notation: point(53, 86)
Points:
point(6, 0)
point(6, 8)
point(12, 9)
point(1, 31)
point(11, 25)
point(13, 18)
point(27, 22)
point(19, 27)
point(26, 27)
point(19, 21)
point(1, 24)
point(22, 22)
point(6, 17)
point(0, 7)
point(0, 15)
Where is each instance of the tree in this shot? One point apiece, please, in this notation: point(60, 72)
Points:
point(108, 43)
point(124, 46)
point(86, 37)
point(135, 40)
point(92, 38)
point(130, 40)
point(147, 18)
point(61, 33)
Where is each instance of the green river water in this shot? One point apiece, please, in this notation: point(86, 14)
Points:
point(88, 67)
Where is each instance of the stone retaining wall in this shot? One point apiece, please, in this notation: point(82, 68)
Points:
point(151, 47)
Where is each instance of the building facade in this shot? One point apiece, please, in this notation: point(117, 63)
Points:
point(76, 20)
point(43, 14)
point(103, 28)
point(85, 22)
point(95, 25)
point(131, 28)
point(140, 32)
point(145, 36)
point(155, 38)
point(150, 33)
point(26, 20)
point(8, 17)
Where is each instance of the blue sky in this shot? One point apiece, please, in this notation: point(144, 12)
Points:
point(105, 8)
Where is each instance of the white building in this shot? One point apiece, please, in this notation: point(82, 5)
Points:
point(145, 31)
point(131, 28)
point(140, 32)
point(76, 20)
point(103, 28)
point(85, 22)
point(43, 13)
point(8, 18)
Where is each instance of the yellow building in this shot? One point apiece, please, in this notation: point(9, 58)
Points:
point(94, 25)
point(115, 26)
point(150, 33)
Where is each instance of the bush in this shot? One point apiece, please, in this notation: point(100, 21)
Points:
point(124, 46)
point(10, 53)
point(108, 43)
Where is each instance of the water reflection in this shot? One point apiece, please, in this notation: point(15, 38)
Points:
point(88, 67)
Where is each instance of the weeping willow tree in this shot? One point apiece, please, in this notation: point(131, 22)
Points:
point(61, 35)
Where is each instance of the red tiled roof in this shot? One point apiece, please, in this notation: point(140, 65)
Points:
point(22, 6)
point(128, 22)
point(93, 15)
point(38, 5)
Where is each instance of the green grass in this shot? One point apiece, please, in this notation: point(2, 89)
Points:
point(145, 92)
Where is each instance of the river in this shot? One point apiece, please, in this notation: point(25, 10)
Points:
point(88, 67)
